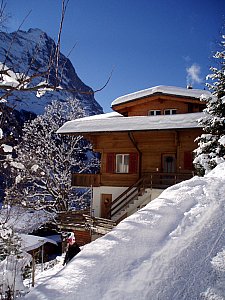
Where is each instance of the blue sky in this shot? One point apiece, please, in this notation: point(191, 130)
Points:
point(146, 42)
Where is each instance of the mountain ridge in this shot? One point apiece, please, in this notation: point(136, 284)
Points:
point(29, 52)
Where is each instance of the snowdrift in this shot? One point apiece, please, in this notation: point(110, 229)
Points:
point(174, 248)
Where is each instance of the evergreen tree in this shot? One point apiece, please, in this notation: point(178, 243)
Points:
point(45, 160)
point(211, 144)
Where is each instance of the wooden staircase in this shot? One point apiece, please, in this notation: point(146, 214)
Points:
point(140, 193)
point(120, 205)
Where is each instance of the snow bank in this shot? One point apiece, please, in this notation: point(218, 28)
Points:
point(171, 249)
point(11, 272)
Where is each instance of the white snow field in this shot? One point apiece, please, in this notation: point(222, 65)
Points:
point(172, 249)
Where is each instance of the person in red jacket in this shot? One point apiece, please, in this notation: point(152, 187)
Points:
point(73, 248)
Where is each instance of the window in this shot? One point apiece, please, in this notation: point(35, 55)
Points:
point(122, 163)
point(170, 111)
point(154, 112)
point(190, 107)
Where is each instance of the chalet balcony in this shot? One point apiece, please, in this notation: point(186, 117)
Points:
point(86, 180)
point(159, 180)
point(155, 180)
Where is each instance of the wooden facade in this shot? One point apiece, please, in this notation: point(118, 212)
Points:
point(152, 149)
point(166, 151)
point(147, 155)
point(142, 106)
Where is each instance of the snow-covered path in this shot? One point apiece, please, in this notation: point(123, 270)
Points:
point(164, 251)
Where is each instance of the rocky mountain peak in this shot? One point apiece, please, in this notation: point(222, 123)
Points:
point(29, 52)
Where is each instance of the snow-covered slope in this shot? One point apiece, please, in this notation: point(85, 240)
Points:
point(30, 52)
point(172, 249)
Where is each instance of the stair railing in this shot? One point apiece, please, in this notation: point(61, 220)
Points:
point(127, 196)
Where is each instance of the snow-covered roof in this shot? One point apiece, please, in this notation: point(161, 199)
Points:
point(120, 124)
point(110, 115)
point(7, 148)
point(24, 220)
point(31, 242)
point(163, 89)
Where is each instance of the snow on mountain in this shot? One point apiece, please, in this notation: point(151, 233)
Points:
point(174, 248)
point(29, 53)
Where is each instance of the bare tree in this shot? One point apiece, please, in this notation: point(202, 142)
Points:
point(4, 16)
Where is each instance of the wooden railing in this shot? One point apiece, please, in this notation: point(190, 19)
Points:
point(126, 197)
point(149, 180)
point(86, 180)
point(99, 225)
point(71, 219)
point(81, 220)
point(159, 180)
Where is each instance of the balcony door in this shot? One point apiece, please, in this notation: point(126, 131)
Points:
point(168, 167)
point(169, 163)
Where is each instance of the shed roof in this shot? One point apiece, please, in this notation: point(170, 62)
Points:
point(31, 242)
point(118, 123)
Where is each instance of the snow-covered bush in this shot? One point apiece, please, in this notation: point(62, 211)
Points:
point(12, 262)
point(11, 275)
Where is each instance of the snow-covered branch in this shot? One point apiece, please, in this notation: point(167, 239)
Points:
point(48, 158)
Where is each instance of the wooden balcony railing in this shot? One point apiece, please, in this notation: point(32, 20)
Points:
point(153, 180)
point(164, 180)
point(86, 180)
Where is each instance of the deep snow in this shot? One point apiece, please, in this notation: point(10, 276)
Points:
point(169, 90)
point(116, 123)
point(24, 220)
point(173, 249)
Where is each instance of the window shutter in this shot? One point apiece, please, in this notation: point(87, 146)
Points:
point(188, 159)
point(110, 163)
point(133, 163)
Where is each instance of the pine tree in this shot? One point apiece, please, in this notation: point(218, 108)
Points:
point(45, 160)
point(211, 144)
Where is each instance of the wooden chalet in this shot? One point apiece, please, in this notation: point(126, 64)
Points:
point(146, 145)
